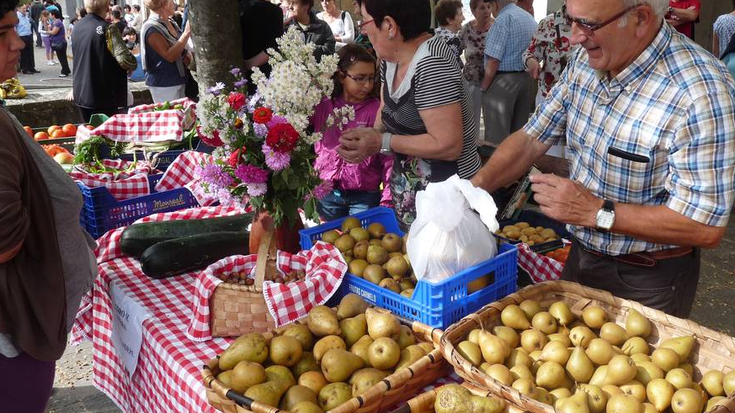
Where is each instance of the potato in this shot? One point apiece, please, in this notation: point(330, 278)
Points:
point(511, 228)
point(537, 239)
point(529, 231)
point(513, 234)
point(539, 229)
point(522, 224)
point(523, 238)
point(548, 233)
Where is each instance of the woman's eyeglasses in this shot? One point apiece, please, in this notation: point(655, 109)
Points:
point(365, 23)
point(361, 80)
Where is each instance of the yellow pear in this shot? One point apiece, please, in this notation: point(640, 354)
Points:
point(285, 350)
point(620, 370)
point(532, 340)
point(479, 404)
point(596, 398)
point(322, 321)
point(550, 375)
point(524, 386)
point(611, 390)
point(639, 357)
point(681, 345)
point(564, 338)
point(679, 379)
point(381, 323)
point(314, 380)
point(513, 317)
point(635, 389)
point(728, 383)
point(580, 366)
point(555, 351)
point(613, 333)
point(594, 317)
point(474, 336)
point(637, 325)
point(581, 336)
point(350, 306)
point(494, 350)
point(559, 402)
point(600, 351)
point(635, 345)
point(687, 401)
point(688, 368)
point(598, 377)
point(560, 310)
point(530, 308)
point(247, 374)
point(578, 403)
point(499, 372)
point(406, 338)
point(712, 383)
point(518, 356)
point(544, 322)
point(327, 343)
point(665, 358)
point(383, 354)
point(560, 393)
point(338, 365)
point(624, 403)
point(649, 408)
point(542, 395)
point(647, 371)
point(507, 334)
point(470, 352)
point(521, 371)
point(715, 401)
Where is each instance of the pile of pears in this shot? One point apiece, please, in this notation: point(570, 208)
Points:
point(322, 362)
point(374, 254)
point(590, 364)
point(454, 398)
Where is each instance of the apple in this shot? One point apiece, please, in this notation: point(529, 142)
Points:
point(64, 158)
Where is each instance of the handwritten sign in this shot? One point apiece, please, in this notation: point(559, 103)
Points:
point(127, 327)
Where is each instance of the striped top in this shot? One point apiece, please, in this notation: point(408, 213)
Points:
point(659, 133)
point(433, 79)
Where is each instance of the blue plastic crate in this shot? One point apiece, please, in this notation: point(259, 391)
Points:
point(437, 305)
point(102, 212)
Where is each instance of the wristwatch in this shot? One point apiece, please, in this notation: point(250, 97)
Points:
point(385, 146)
point(605, 217)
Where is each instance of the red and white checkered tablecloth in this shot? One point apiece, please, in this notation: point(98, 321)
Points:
point(189, 110)
point(324, 266)
point(122, 185)
point(540, 267)
point(182, 172)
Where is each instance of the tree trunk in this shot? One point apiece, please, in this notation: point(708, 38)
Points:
point(217, 39)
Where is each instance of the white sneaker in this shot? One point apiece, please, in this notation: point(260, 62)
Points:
point(50, 63)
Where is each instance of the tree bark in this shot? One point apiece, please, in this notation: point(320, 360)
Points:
point(217, 39)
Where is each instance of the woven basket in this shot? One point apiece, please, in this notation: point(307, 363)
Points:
point(424, 402)
point(239, 309)
point(390, 391)
point(713, 350)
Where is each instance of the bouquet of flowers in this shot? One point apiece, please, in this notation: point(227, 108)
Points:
point(265, 152)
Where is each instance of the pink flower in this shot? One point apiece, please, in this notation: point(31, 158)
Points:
point(257, 189)
point(323, 189)
point(250, 174)
point(236, 100)
point(277, 161)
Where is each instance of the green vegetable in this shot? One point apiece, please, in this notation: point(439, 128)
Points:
point(177, 256)
point(138, 237)
point(88, 152)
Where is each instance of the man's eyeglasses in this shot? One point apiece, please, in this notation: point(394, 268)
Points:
point(365, 23)
point(361, 80)
point(590, 28)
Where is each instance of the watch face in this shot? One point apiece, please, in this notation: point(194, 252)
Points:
point(605, 219)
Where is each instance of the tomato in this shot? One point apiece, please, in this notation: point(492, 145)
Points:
point(52, 128)
point(69, 130)
point(28, 130)
point(57, 133)
point(40, 136)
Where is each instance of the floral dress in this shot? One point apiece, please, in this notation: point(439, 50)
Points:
point(550, 45)
point(452, 40)
point(472, 41)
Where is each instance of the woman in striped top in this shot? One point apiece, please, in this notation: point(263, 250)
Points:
point(426, 118)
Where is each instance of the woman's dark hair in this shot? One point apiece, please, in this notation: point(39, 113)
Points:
point(129, 30)
point(446, 10)
point(126, 8)
point(474, 4)
point(349, 55)
point(136, 7)
point(412, 16)
point(310, 3)
point(55, 12)
point(82, 13)
point(6, 6)
point(116, 14)
point(73, 20)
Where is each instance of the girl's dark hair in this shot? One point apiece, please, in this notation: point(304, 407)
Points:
point(349, 55)
point(6, 6)
point(445, 10)
point(73, 20)
point(129, 30)
point(413, 16)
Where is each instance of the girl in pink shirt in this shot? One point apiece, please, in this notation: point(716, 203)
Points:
point(357, 187)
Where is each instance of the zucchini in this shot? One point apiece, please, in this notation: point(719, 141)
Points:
point(180, 255)
point(138, 237)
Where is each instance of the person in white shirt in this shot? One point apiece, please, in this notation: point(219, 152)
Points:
point(339, 21)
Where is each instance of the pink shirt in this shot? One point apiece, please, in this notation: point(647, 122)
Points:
point(365, 176)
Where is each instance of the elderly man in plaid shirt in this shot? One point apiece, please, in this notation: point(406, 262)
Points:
point(649, 119)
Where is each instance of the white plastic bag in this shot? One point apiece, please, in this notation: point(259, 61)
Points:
point(447, 235)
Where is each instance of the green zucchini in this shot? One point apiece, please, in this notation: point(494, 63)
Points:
point(195, 252)
point(138, 237)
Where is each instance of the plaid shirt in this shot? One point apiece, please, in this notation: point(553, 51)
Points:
point(509, 37)
point(661, 133)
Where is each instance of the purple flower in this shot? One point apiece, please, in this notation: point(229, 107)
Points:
point(225, 197)
point(217, 88)
point(240, 83)
point(250, 174)
point(213, 174)
point(323, 189)
point(277, 161)
point(235, 71)
point(257, 189)
point(260, 129)
point(277, 120)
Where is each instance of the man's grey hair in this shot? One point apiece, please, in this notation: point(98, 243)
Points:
point(660, 7)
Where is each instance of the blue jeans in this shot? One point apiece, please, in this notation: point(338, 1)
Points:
point(341, 203)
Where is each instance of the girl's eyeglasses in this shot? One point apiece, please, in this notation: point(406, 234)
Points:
point(361, 80)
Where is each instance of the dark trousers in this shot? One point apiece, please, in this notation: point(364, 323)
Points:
point(88, 112)
point(34, 27)
point(25, 383)
point(668, 286)
point(27, 60)
point(61, 55)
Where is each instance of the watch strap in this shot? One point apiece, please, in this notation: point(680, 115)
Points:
point(608, 205)
point(385, 146)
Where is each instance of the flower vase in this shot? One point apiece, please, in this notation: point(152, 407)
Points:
point(286, 236)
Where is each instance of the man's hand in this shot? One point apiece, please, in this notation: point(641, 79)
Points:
point(565, 200)
point(534, 69)
point(358, 144)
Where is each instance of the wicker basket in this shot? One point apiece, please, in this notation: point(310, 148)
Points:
point(713, 350)
point(424, 402)
point(390, 391)
point(239, 309)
